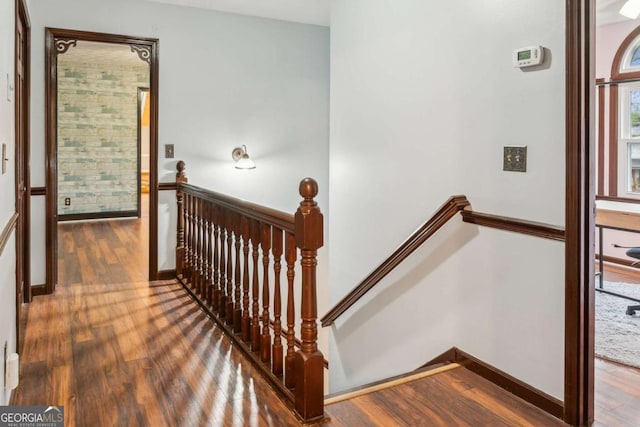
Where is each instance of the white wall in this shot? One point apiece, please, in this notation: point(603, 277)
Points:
point(7, 188)
point(423, 99)
point(225, 80)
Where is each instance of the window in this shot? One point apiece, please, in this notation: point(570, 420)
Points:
point(631, 59)
point(635, 58)
point(633, 157)
point(618, 124)
point(629, 140)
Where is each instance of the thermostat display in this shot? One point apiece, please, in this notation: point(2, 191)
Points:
point(528, 56)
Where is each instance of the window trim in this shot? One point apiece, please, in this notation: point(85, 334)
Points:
point(619, 71)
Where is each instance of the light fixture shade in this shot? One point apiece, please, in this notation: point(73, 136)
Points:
point(245, 162)
point(631, 9)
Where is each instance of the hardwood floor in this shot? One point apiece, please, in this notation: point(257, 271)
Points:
point(453, 398)
point(617, 387)
point(617, 395)
point(102, 252)
point(117, 350)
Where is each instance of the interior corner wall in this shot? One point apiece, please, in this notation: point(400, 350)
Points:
point(7, 187)
point(424, 97)
point(225, 80)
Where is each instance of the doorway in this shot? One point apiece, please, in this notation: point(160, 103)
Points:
point(617, 176)
point(76, 131)
point(22, 84)
point(581, 158)
point(144, 106)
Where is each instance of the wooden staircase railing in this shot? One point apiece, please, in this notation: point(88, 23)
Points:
point(447, 211)
point(228, 256)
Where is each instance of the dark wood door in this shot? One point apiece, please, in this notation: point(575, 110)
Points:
point(23, 293)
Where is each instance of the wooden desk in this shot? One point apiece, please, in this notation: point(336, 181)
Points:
point(618, 220)
point(614, 220)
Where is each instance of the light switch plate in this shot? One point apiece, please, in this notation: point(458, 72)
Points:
point(515, 158)
point(168, 151)
point(9, 88)
point(4, 159)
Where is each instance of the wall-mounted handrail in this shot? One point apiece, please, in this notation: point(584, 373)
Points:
point(447, 211)
point(530, 228)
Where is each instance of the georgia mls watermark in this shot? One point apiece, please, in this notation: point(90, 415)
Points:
point(31, 416)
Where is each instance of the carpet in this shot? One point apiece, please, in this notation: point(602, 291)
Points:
point(617, 334)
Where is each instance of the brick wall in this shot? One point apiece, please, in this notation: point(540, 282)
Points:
point(97, 135)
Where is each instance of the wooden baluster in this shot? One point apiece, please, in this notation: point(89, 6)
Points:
point(215, 297)
point(230, 235)
point(265, 344)
point(198, 271)
point(309, 362)
point(290, 256)
point(237, 278)
point(181, 178)
point(209, 284)
point(187, 238)
point(277, 304)
point(246, 319)
point(194, 243)
point(222, 302)
point(203, 250)
point(206, 259)
point(255, 290)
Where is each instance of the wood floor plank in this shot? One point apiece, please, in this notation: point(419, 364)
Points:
point(449, 408)
point(509, 408)
point(454, 398)
point(617, 387)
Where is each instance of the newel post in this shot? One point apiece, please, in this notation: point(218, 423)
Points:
point(309, 362)
point(181, 177)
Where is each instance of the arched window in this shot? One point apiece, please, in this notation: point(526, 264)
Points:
point(624, 141)
point(626, 63)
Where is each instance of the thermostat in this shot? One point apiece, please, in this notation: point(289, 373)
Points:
point(528, 56)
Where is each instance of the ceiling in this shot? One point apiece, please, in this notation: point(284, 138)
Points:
point(303, 11)
point(317, 11)
point(607, 12)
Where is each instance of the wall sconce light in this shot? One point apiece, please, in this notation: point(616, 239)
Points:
point(242, 159)
point(631, 9)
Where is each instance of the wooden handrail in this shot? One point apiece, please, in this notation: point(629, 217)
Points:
point(452, 206)
point(254, 211)
point(530, 228)
point(230, 257)
point(447, 211)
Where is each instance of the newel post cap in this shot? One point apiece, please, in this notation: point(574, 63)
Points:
point(180, 168)
point(308, 218)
